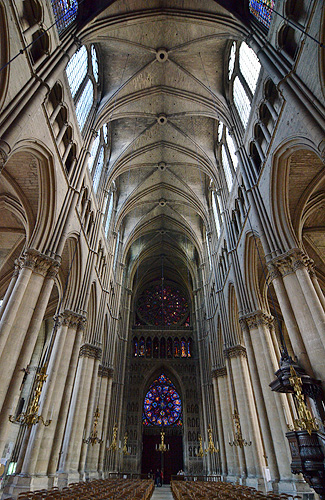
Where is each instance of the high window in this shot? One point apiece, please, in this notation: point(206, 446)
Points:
point(243, 71)
point(262, 10)
point(65, 12)
point(216, 212)
point(228, 155)
point(82, 74)
point(162, 404)
point(97, 158)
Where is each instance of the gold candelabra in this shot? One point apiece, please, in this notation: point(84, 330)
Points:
point(125, 448)
point(305, 422)
point(162, 446)
point(200, 452)
point(31, 416)
point(211, 448)
point(113, 446)
point(93, 438)
point(239, 440)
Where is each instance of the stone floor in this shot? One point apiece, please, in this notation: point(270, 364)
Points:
point(163, 493)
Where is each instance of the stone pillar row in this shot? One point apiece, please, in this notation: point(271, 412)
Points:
point(26, 301)
point(302, 308)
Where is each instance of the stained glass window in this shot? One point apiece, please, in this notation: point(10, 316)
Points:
point(76, 69)
point(169, 348)
point(220, 130)
point(162, 404)
point(84, 104)
point(65, 12)
point(99, 168)
point(162, 305)
point(189, 348)
point(183, 348)
point(148, 347)
point(241, 101)
point(176, 348)
point(162, 348)
point(141, 347)
point(135, 347)
point(155, 347)
point(262, 10)
point(249, 65)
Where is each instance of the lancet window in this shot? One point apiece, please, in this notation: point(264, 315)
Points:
point(82, 74)
point(97, 159)
point(243, 71)
point(228, 158)
point(65, 12)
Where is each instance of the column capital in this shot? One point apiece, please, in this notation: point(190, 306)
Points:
point(72, 319)
point(219, 372)
point(288, 263)
point(255, 319)
point(39, 263)
point(235, 351)
point(105, 371)
point(90, 351)
point(3, 158)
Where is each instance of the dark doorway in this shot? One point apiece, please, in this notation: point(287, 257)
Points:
point(172, 460)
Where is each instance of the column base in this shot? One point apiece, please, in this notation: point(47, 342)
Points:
point(297, 486)
point(20, 483)
point(258, 483)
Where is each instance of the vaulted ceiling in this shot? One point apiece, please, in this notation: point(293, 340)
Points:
point(164, 75)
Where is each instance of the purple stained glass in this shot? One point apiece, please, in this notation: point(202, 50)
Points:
point(65, 12)
point(162, 404)
point(162, 306)
point(262, 10)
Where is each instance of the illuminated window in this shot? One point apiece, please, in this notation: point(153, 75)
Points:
point(76, 69)
point(84, 104)
point(262, 10)
point(162, 404)
point(232, 58)
point(241, 101)
point(162, 306)
point(135, 347)
point(65, 12)
point(141, 347)
point(231, 149)
point(93, 152)
point(249, 65)
point(94, 62)
point(109, 213)
point(99, 168)
point(226, 167)
point(216, 212)
point(220, 131)
point(148, 347)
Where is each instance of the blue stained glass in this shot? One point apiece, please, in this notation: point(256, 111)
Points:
point(84, 104)
point(76, 69)
point(65, 12)
point(162, 404)
point(262, 10)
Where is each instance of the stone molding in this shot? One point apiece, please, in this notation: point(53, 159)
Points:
point(105, 371)
point(219, 372)
point(255, 319)
point(90, 351)
point(235, 351)
point(72, 320)
point(289, 263)
point(38, 263)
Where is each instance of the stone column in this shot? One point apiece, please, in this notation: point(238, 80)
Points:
point(231, 458)
point(262, 346)
point(26, 352)
point(247, 411)
point(216, 374)
point(292, 268)
point(21, 309)
point(49, 435)
point(74, 433)
point(63, 413)
point(107, 373)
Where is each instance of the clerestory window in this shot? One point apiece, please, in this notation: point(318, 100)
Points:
point(243, 70)
point(82, 74)
point(65, 12)
point(262, 11)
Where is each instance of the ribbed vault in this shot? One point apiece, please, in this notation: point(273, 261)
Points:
point(164, 67)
